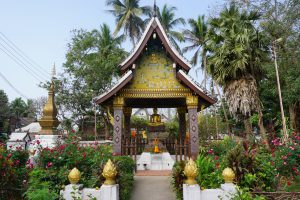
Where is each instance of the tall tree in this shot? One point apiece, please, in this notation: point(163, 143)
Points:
point(4, 110)
point(19, 109)
point(197, 37)
point(89, 70)
point(170, 22)
point(235, 61)
point(281, 19)
point(128, 15)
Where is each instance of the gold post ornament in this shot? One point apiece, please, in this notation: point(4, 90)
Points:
point(74, 176)
point(110, 173)
point(49, 121)
point(228, 175)
point(191, 172)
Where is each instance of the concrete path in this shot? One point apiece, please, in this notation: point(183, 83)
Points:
point(152, 188)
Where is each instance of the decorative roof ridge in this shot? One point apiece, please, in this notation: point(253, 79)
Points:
point(200, 87)
point(186, 61)
point(136, 47)
point(169, 43)
point(123, 78)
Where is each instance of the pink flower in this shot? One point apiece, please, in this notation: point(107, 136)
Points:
point(284, 157)
point(211, 151)
point(284, 163)
point(49, 164)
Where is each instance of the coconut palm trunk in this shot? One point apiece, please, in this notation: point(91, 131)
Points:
point(248, 128)
point(224, 110)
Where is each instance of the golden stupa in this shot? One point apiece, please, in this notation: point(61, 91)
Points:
point(49, 121)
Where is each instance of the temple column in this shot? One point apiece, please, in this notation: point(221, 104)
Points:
point(127, 117)
point(118, 104)
point(192, 105)
point(182, 122)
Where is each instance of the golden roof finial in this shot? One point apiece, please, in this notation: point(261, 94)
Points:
point(49, 121)
point(53, 72)
point(228, 175)
point(109, 173)
point(191, 172)
point(74, 176)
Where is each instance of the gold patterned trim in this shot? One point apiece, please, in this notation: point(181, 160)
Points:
point(118, 102)
point(192, 101)
point(155, 90)
point(155, 93)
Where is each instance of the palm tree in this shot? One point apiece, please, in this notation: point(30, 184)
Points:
point(128, 16)
point(18, 108)
point(169, 22)
point(197, 37)
point(236, 53)
point(106, 40)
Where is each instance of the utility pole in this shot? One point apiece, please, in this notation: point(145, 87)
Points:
point(285, 134)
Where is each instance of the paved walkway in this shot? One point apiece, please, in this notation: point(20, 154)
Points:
point(152, 188)
point(153, 173)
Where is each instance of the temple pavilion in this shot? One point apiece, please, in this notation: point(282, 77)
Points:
point(155, 75)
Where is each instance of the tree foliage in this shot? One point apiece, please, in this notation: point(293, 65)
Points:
point(128, 15)
point(169, 22)
point(4, 110)
point(236, 56)
point(90, 69)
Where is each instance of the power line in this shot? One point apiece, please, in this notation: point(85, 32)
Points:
point(11, 85)
point(20, 63)
point(16, 49)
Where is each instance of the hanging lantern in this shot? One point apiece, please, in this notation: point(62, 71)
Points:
point(154, 35)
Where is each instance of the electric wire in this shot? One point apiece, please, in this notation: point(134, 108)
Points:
point(20, 63)
point(26, 58)
point(13, 87)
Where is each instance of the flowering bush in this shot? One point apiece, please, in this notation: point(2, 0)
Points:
point(286, 158)
point(54, 165)
point(13, 172)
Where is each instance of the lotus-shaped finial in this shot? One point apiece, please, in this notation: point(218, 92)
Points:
point(74, 176)
point(228, 175)
point(110, 173)
point(191, 172)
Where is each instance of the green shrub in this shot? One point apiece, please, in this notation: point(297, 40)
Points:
point(244, 194)
point(54, 165)
point(209, 171)
point(177, 179)
point(125, 166)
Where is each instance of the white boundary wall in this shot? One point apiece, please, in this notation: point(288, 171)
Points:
point(193, 192)
point(75, 191)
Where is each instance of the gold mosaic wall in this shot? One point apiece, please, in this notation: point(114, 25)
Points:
point(155, 71)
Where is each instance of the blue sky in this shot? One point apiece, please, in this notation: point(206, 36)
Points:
point(42, 29)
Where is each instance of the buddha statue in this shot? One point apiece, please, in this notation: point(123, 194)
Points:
point(155, 118)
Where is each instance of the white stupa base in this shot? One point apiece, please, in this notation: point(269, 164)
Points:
point(49, 141)
point(150, 161)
